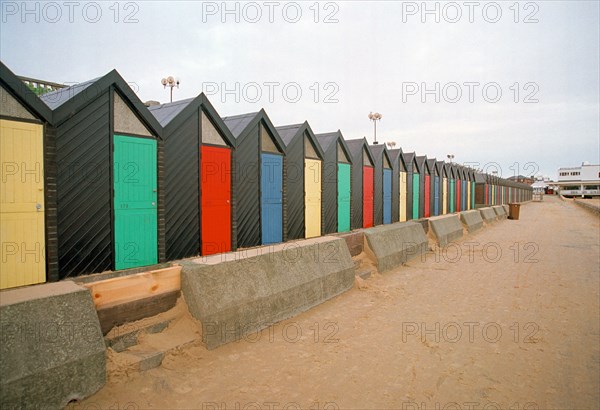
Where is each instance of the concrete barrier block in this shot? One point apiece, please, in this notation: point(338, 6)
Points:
point(488, 215)
point(354, 241)
point(52, 350)
point(500, 212)
point(240, 293)
point(393, 245)
point(472, 220)
point(446, 228)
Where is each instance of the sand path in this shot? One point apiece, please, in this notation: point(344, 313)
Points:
point(471, 330)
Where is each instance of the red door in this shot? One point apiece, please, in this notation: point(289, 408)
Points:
point(216, 200)
point(367, 197)
point(427, 197)
point(458, 183)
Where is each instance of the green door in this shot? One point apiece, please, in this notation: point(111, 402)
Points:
point(343, 197)
point(415, 204)
point(452, 193)
point(135, 202)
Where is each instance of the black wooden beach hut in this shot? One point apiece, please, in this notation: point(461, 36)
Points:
point(303, 181)
point(199, 204)
point(337, 191)
point(27, 186)
point(110, 191)
point(258, 179)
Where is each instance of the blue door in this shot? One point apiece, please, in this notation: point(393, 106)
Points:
point(436, 196)
point(387, 196)
point(463, 192)
point(271, 198)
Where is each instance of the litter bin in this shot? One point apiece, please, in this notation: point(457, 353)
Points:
point(513, 211)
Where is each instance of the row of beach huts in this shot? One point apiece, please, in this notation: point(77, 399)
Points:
point(95, 180)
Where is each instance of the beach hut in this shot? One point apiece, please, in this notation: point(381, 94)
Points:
point(304, 163)
point(436, 188)
point(430, 188)
point(445, 172)
point(27, 186)
point(399, 185)
point(259, 179)
point(457, 185)
point(337, 170)
point(463, 188)
point(411, 170)
point(469, 188)
point(198, 150)
point(382, 190)
point(363, 163)
point(480, 190)
point(420, 180)
point(452, 189)
point(110, 187)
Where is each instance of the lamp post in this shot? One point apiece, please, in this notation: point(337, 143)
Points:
point(450, 157)
point(375, 116)
point(170, 82)
point(391, 144)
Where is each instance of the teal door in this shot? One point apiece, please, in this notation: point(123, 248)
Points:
point(452, 195)
point(343, 197)
point(415, 204)
point(135, 202)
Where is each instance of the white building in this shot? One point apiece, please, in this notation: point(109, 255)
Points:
point(579, 181)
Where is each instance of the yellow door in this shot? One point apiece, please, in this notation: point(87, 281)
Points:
point(22, 240)
point(403, 189)
point(445, 195)
point(468, 194)
point(312, 197)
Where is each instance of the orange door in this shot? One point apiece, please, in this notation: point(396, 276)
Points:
point(215, 184)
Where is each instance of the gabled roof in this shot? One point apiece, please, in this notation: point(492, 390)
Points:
point(480, 178)
point(165, 113)
point(449, 170)
point(421, 161)
point(171, 115)
point(397, 157)
point(458, 171)
point(431, 165)
point(241, 124)
point(290, 132)
point(454, 169)
point(439, 165)
point(23, 94)
point(238, 123)
point(67, 101)
point(57, 98)
point(328, 138)
point(409, 161)
point(357, 146)
point(380, 150)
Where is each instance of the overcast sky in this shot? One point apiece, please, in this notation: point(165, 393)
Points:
point(517, 84)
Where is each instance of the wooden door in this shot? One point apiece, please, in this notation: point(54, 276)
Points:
point(22, 240)
point(215, 184)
